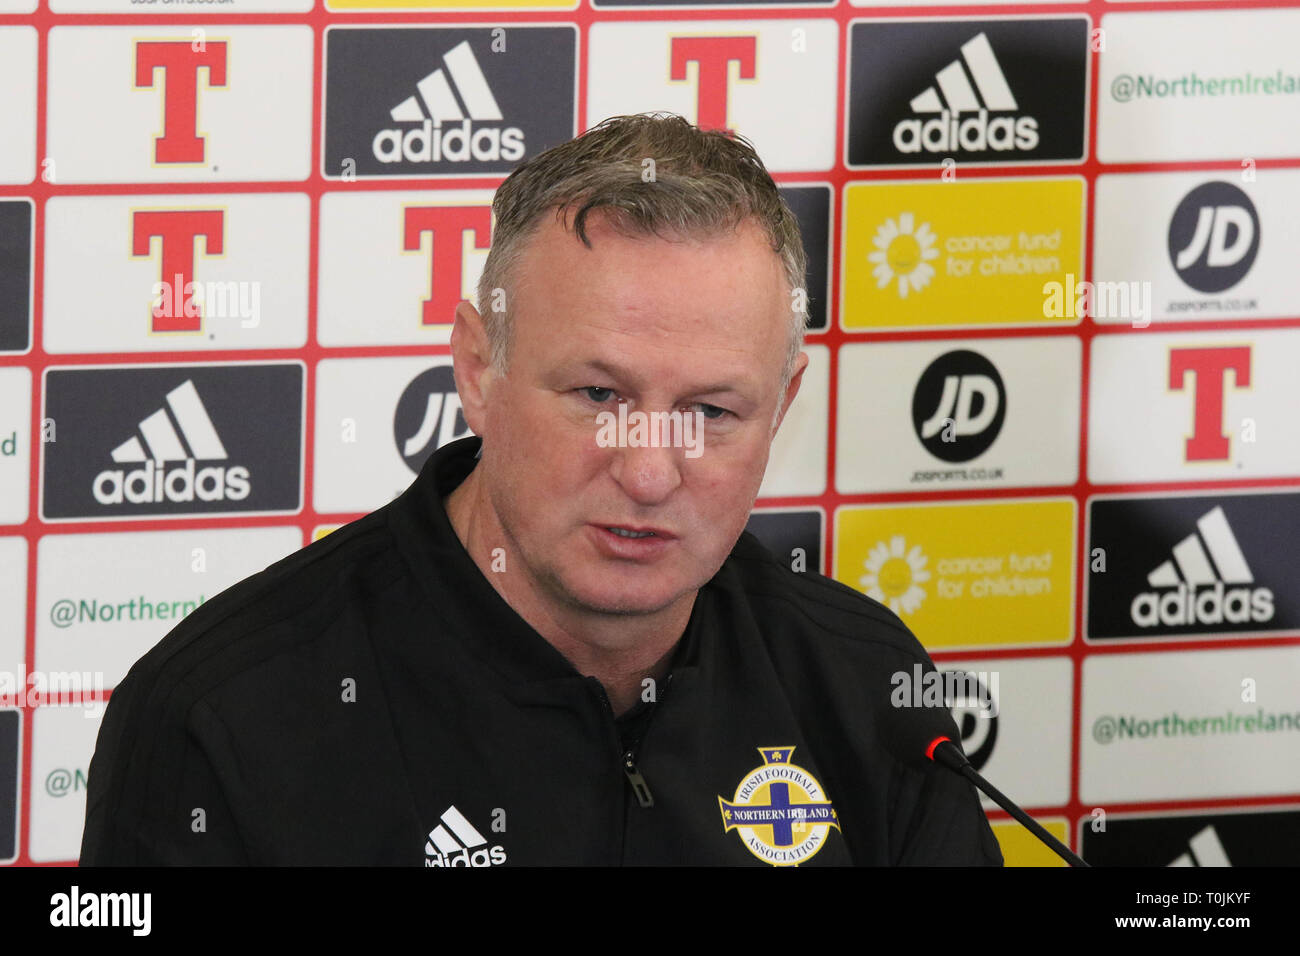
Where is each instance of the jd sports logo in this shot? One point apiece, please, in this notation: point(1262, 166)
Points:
point(959, 406)
point(923, 91)
point(1192, 565)
point(455, 842)
point(428, 416)
point(979, 731)
point(445, 101)
point(161, 440)
point(1206, 582)
point(1214, 237)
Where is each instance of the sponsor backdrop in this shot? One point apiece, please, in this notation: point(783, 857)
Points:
point(1050, 417)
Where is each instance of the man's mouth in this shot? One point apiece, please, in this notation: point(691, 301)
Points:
point(625, 533)
point(630, 543)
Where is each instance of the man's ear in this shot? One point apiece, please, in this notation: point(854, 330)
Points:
point(471, 359)
point(791, 390)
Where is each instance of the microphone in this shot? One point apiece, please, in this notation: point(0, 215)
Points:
point(927, 737)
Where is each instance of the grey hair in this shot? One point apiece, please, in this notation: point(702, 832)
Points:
point(705, 182)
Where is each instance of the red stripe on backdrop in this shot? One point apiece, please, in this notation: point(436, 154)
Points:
point(38, 360)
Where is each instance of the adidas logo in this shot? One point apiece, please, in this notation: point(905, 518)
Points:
point(1195, 584)
point(1205, 849)
point(152, 482)
point(435, 104)
point(450, 844)
point(946, 132)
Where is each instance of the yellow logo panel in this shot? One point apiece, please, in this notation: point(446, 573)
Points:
point(987, 574)
point(450, 4)
point(954, 254)
point(1022, 848)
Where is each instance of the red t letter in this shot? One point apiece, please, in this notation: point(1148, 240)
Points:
point(178, 229)
point(180, 62)
point(713, 54)
point(447, 225)
point(1208, 441)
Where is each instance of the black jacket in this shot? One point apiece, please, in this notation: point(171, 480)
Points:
point(370, 699)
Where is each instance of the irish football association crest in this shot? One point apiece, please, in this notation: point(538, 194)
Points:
point(780, 811)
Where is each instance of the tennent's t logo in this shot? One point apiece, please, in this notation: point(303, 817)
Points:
point(1208, 441)
point(177, 228)
point(714, 55)
point(446, 226)
point(180, 64)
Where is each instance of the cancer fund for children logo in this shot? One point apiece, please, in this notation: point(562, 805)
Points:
point(958, 254)
point(982, 574)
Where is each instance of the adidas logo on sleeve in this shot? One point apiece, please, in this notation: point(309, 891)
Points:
point(455, 842)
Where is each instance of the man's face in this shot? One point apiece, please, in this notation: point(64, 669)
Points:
point(662, 326)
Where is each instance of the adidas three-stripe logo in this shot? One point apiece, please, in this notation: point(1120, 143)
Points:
point(436, 92)
point(1206, 582)
point(164, 444)
point(958, 109)
point(1204, 849)
point(455, 842)
point(1194, 563)
point(957, 91)
point(152, 482)
point(447, 104)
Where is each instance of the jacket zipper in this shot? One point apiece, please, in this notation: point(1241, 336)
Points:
point(640, 788)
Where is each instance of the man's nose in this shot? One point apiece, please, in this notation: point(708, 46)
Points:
point(647, 474)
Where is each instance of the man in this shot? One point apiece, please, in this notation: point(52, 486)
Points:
point(557, 646)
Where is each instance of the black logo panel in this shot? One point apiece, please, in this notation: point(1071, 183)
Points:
point(173, 440)
point(790, 534)
point(10, 733)
point(811, 205)
point(986, 91)
point(1182, 566)
point(15, 275)
point(445, 101)
point(1255, 838)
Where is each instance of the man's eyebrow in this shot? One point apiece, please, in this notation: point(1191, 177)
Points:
point(619, 372)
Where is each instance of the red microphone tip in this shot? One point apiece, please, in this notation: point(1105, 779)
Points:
point(929, 751)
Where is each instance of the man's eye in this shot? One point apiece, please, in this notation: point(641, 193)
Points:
point(712, 412)
point(597, 394)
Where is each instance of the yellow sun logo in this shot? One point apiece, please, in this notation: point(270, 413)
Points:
point(903, 252)
point(895, 575)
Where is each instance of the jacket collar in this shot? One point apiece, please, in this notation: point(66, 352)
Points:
point(498, 635)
